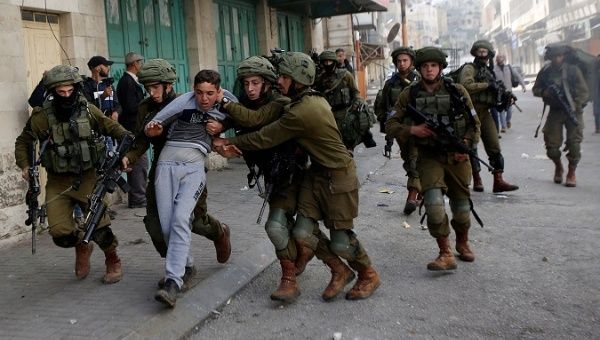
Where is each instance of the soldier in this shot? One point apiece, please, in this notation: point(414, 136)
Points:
point(575, 91)
point(329, 191)
point(403, 58)
point(443, 170)
point(479, 79)
point(158, 77)
point(73, 130)
point(342, 62)
point(259, 106)
point(339, 88)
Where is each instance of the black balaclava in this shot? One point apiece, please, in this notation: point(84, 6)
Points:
point(64, 106)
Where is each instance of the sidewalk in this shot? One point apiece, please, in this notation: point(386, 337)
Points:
point(41, 298)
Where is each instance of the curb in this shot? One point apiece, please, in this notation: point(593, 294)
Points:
point(207, 296)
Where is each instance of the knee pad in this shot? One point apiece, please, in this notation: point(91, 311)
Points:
point(553, 153)
point(104, 237)
point(276, 228)
point(461, 210)
point(304, 231)
point(66, 241)
point(434, 206)
point(341, 244)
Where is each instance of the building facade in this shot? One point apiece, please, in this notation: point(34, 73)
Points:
point(191, 34)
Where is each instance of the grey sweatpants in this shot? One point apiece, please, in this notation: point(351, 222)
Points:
point(178, 187)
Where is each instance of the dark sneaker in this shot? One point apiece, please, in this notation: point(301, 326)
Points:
point(168, 294)
point(189, 274)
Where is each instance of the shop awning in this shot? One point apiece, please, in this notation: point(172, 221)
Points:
point(327, 8)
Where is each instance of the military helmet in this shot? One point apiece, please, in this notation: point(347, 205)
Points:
point(403, 50)
point(327, 55)
point(483, 44)
point(298, 66)
point(431, 53)
point(157, 71)
point(552, 50)
point(256, 66)
point(61, 75)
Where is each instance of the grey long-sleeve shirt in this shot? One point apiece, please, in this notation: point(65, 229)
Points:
point(187, 122)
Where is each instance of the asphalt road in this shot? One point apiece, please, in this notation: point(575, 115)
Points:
point(536, 275)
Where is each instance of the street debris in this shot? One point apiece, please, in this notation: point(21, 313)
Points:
point(423, 227)
point(386, 191)
point(405, 225)
point(337, 336)
point(382, 205)
point(524, 155)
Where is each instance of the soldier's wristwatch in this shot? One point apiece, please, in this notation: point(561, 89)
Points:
point(225, 101)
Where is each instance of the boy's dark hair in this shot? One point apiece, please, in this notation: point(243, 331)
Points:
point(208, 76)
point(340, 50)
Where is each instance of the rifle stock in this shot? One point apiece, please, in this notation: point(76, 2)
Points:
point(108, 181)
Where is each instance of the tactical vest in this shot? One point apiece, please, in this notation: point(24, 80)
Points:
point(336, 91)
point(440, 106)
point(487, 97)
point(75, 145)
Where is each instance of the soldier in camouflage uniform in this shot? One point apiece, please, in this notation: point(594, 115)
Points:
point(73, 130)
point(339, 88)
point(570, 80)
point(479, 79)
point(329, 190)
point(443, 170)
point(403, 59)
point(158, 77)
point(259, 106)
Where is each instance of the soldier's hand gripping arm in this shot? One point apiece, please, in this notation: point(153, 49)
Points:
point(467, 79)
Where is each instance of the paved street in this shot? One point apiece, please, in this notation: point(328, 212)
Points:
point(535, 277)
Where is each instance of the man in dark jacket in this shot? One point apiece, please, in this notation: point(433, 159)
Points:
point(130, 94)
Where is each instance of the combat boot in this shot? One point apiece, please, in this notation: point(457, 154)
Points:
point(168, 294)
point(305, 254)
point(412, 201)
point(341, 275)
point(82, 259)
point(571, 181)
point(368, 281)
point(288, 288)
point(500, 185)
point(445, 260)
point(477, 184)
point(462, 247)
point(114, 272)
point(223, 244)
point(558, 171)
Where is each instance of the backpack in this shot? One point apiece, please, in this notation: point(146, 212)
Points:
point(455, 74)
point(358, 120)
point(587, 64)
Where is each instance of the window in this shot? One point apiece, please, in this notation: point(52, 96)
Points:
point(39, 17)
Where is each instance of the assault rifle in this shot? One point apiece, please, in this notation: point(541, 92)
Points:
point(108, 180)
point(445, 134)
point(281, 167)
point(275, 57)
point(36, 214)
point(560, 99)
point(505, 98)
